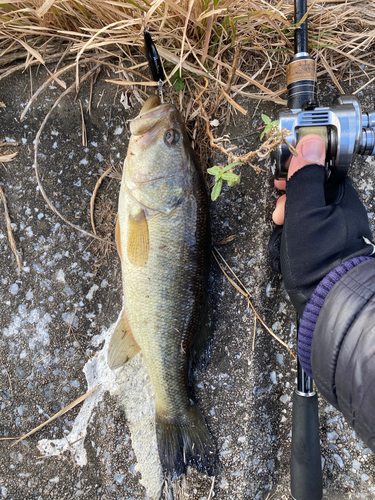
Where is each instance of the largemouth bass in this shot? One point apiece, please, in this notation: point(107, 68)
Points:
point(162, 236)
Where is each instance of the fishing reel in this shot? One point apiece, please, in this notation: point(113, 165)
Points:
point(347, 130)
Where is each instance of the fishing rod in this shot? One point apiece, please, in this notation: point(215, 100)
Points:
point(347, 131)
point(305, 462)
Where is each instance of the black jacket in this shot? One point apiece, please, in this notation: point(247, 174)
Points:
point(343, 349)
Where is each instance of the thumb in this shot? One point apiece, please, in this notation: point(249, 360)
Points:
point(311, 149)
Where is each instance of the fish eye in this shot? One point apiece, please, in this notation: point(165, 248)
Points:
point(171, 137)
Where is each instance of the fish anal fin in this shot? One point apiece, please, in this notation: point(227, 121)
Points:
point(138, 246)
point(122, 346)
point(118, 236)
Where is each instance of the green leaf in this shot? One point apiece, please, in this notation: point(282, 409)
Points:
point(215, 170)
point(216, 190)
point(227, 176)
point(179, 84)
point(266, 119)
point(232, 165)
point(268, 128)
point(235, 180)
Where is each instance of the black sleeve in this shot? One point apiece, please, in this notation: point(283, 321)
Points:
point(343, 349)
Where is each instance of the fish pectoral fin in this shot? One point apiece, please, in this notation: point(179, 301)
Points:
point(118, 236)
point(122, 346)
point(138, 239)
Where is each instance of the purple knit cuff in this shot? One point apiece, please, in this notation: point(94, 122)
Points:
point(313, 307)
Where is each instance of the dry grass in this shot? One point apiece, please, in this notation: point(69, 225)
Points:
point(197, 41)
point(212, 50)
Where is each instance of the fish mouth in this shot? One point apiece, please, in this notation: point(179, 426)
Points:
point(152, 114)
point(152, 102)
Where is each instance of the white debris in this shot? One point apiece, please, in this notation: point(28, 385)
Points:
point(273, 377)
point(92, 290)
point(30, 326)
point(60, 276)
point(131, 384)
point(284, 398)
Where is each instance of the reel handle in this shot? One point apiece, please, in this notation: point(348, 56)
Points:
point(305, 464)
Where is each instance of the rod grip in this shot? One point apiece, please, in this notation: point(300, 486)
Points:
point(305, 466)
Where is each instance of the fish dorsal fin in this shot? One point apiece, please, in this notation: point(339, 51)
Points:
point(122, 346)
point(118, 236)
point(138, 239)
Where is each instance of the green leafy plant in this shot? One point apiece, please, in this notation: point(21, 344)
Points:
point(269, 125)
point(223, 174)
point(178, 83)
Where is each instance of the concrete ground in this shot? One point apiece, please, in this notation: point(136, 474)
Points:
point(58, 313)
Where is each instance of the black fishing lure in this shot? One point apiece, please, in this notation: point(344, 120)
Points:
point(153, 58)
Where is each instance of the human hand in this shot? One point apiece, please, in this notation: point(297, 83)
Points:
point(311, 150)
point(324, 223)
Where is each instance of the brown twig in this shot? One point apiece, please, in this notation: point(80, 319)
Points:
point(226, 240)
point(42, 359)
point(212, 488)
point(9, 230)
point(331, 73)
point(255, 332)
point(207, 38)
point(7, 157)
point(92, 199)
point(243, 291)
point(57, 415)
point(9, 380)
point(84, 134)
point(5, 143)
point(274, 139)
point(232, 74)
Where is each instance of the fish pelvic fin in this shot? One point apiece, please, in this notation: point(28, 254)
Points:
point(138, 239)
point(183, 441)
point(122, 346)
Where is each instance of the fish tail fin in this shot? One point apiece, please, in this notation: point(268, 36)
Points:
point(183, 441)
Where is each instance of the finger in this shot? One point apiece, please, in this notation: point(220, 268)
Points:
point(305, 186)
point(311, 149)
point(280, 185)
point(279, 212)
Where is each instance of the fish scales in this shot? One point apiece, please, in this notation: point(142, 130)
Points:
point(155, 288)
point(162, 236)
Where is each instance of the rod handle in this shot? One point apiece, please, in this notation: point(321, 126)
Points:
point(305, 466)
